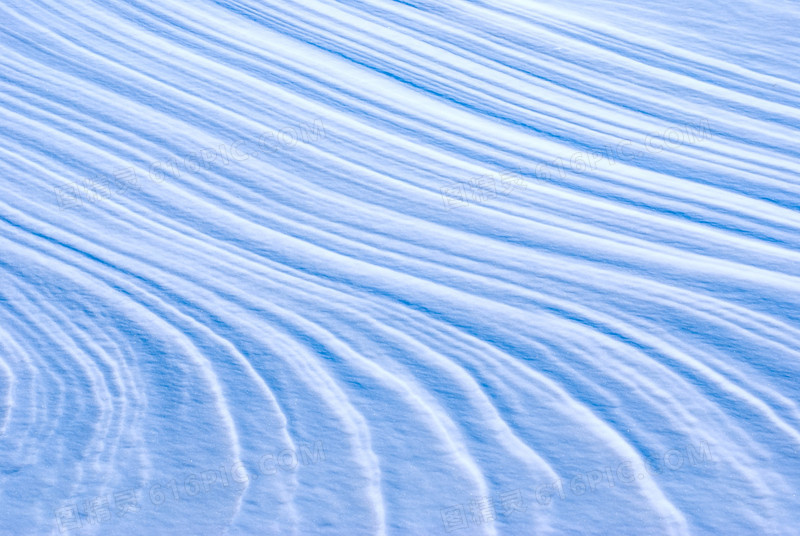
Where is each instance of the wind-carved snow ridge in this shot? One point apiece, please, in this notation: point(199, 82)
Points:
point(368, 267)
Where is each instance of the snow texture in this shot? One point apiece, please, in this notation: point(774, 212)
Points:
point(374, 267)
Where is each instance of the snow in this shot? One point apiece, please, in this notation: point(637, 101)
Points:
point(368, 267)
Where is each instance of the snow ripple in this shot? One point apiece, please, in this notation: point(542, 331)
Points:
point(362, 267)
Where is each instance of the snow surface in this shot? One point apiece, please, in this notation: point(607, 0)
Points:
point(412, 267)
